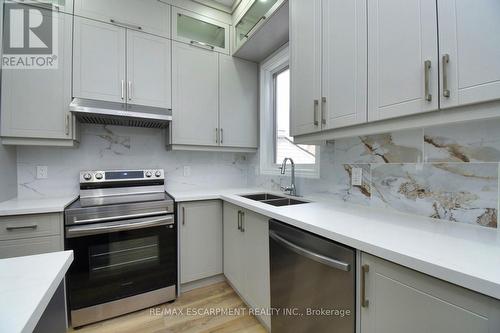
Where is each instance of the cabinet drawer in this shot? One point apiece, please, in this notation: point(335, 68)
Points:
point(28, 226)
point(30, 246)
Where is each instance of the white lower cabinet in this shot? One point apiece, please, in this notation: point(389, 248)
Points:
point(200, 225)
point(403, 300)
point(246, 256)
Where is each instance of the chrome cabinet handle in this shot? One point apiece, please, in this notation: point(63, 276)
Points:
point(129, 90)
point(337, 264)
point(323, 107)
point(202, 45)
point(221, 136)
point(427, 69)
point(250, 32)
point(446, 61)
point(126, 25)
point(239, 220)
point(316, 104)
point(183, 215)
point(104, 228)
point(242, 221)
point(364, 302)
point(12, 228)
point(66, 125)
point(123, 89)
point(216, 135)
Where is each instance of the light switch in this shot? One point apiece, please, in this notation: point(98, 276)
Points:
point(357, 177)
point(187, 171)
point(42, 172)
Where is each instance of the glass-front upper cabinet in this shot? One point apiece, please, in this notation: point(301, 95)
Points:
point(200, 31)
point(256, 14)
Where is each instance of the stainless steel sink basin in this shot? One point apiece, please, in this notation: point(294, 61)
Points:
point(274, 200)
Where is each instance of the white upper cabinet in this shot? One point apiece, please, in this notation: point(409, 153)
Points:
point(305, 66)
point(65, 6)
point(402, 58)
point(149, 70)
point(151, 16)
point(200, 31)
point(238, 102)
point(469, 49)
point(35, 102)
point(99, 61)
point(344, 63)
point(195, 95)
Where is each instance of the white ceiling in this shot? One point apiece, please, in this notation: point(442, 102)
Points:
point(228, 3)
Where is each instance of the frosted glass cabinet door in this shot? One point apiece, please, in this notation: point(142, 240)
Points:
point(469, 51)
point(35, 102)
point(238, 102)
point(305, 66)
point(99, 61)
point(149, 71)
point(402, 39)
point(195, 95)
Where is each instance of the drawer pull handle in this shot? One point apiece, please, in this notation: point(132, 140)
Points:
point(427, 67)
point(126, 25)
point(315, 112)
point(364, 302)
point(31, 226)
point(446, 90)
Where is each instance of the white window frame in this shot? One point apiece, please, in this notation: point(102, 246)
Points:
point(276, 63)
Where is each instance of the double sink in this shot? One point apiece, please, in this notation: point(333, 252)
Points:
point(274, 200)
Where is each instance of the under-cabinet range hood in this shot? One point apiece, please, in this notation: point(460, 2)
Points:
point(120, 114)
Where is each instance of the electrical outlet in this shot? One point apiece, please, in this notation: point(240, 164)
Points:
point(187, 171)
point(357, 177)
point(42, 172)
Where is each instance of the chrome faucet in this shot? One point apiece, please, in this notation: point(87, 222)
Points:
point(291, 189)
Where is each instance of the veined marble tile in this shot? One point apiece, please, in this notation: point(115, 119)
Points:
point(396, 147)
point(465, 192)
point(468, 142)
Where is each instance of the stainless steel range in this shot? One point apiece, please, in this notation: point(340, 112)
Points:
point(124, 237)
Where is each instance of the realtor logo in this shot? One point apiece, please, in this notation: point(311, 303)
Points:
point(30, 36)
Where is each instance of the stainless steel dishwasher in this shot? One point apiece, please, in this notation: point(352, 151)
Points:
point(312, 282)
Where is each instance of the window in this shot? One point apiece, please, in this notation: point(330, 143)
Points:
point(275, 140)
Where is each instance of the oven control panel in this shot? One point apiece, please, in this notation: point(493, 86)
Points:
point(102, 176)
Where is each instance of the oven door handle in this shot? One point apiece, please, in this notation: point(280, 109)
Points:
point(104, 228)
point(121, 217)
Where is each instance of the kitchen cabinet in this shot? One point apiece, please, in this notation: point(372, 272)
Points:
point(23, 235)
point(200, 31)
point(149, 70)
point(403, 300)
point(115, 64)
point(150, 16)
point(402, 72)
point(200, 225)
point(238, 89)
point(327, 64)
point(64, 6)
point(469, 49)
point(44, 117)
point(214, 98)
point(246, 256)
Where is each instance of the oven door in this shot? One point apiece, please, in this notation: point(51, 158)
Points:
point(120, 259)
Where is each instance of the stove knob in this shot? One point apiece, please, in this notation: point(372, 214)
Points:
point(158, 173)
point(149, 174)
point(98, 176)
point(87, 176)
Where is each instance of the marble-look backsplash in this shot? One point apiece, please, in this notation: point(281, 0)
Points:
point(114, 147)
point(446, 172)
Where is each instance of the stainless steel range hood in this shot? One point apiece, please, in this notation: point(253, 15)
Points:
point(120, 114)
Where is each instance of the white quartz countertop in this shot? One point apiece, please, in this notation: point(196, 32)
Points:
point(20, 206)
point(466, 255)
point(27, 285)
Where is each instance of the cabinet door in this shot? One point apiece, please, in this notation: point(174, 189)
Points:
point(344, 63)
point(238, 102)
point(402, 300)
point(149, 71)
point(233, 247)
point(469, 38)
point(45, 113)
point(151, 16)
point(305, 66)
point(99, 61)
point(402, 38)
point(257, 289)
point(200, 226)
point(195, 95)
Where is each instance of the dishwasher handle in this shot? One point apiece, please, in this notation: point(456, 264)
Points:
point(309, 254)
